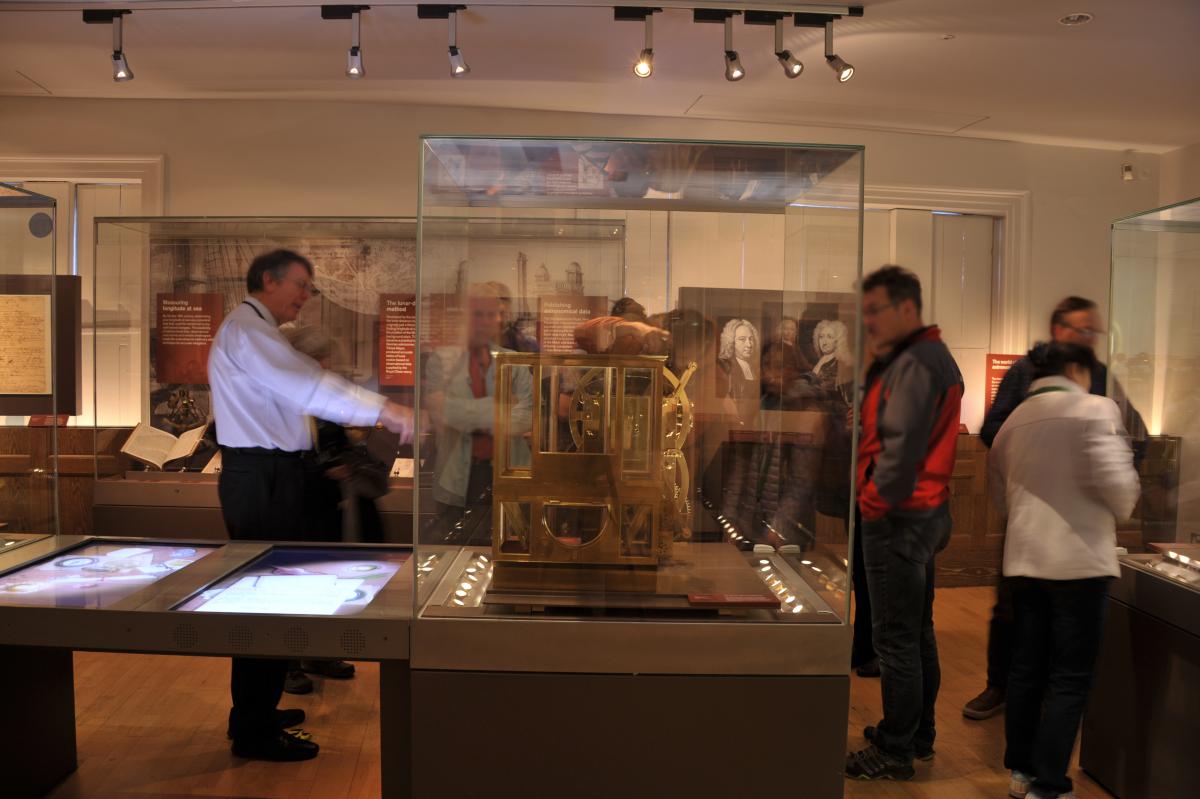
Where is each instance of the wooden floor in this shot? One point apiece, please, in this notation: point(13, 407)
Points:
point(154, 726)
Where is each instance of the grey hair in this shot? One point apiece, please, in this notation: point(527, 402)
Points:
point(727, 334)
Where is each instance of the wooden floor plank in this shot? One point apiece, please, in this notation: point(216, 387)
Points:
point(154, 726)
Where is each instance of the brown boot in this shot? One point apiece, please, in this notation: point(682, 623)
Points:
point(986, 705)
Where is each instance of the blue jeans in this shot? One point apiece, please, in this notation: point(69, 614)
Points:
point(898, 557)
point(1057, 627)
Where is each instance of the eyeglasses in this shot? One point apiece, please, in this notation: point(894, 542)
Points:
point(875, 310)
point(304, 285)
point(1086, 332)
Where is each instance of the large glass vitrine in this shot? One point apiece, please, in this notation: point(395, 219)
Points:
point(1154, 360)
point(649, 421)
point(162, 287)
point(38, 361)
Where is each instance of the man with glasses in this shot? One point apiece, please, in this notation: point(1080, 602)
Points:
point(1075, 320)
point(265, 397)
point(910, 416)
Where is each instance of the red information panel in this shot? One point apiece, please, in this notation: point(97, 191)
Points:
point(187, 324)
point(397, 339)
point(443, 320)
point(559, 315)
point(997, 368)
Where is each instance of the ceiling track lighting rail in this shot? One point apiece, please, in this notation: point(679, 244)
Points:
point(689, 5)
point(773, 14)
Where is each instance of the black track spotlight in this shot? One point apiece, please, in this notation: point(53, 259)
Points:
point(791, 65)
point(120, 64)
point(643, 67)
point(843, 70)
point(354, 58)
point(458, 64)
point(734, 70)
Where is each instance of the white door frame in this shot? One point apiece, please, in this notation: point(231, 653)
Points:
point(148, 170)
point(1011, 289)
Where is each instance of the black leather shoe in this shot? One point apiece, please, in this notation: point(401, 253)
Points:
point(921, 753)
point(869, 669)
point(286, 719)
point(297, 682)
point(281, 748)
point(334, 669)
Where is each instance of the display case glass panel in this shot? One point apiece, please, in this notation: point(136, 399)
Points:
point(95, 575)
point(1154, 360)
point(303, 582)
point(666, 432)
point(29, 419)
point(162, 287)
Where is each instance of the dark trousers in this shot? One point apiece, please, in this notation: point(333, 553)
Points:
point(1056, 636)
point(898, 553)
point(262, 499)
point(468, 524)
point(863, 649)
point(1000, 636)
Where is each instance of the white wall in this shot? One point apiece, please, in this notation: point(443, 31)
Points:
point(1180, 171)
point(322, 158)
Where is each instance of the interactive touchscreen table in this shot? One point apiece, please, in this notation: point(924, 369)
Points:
point(303, 582)
point(155, 596)
point(95, 575)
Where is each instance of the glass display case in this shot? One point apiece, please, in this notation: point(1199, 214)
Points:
point(664, 430)
point(642, 467)
point(1138, 742)
point(37, 332)
point(1154, 360)
point(162, 287)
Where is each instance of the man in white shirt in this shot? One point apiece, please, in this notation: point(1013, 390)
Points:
point(265, 395)
point(1061, 469)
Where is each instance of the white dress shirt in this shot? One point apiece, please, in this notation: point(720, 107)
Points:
point(1061, 469)
point(264, 390)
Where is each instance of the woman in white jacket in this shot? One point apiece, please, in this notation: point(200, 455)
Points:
point(1063, 472)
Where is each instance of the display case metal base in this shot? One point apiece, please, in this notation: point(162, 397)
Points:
point(37, 742)
point(1139, 733)
point(494, 734)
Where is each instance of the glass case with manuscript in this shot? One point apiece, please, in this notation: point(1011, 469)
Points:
point(162, 287)
point(1139, 742)
point(635, 445)
point(39, 361)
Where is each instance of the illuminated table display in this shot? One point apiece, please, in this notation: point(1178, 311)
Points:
point(95, 575)
point(64, 594)
point(302, 582)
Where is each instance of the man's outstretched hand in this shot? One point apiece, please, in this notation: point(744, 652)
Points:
point(398, 419)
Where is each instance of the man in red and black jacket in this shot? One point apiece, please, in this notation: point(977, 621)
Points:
point(910, 418)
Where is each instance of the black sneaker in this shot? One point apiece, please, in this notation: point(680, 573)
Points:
point(281, 748)
point(987, 704)
point(297, 682)
point(922, 752)
point(286, 719)
point(334, 669)
point(873, 763)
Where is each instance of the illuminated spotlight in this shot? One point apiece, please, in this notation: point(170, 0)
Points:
point(643, 67)
point(733, 65)
point(844, 70)
point(791, 65)
point(354, 57)
point(120, 64)
point(458, 63)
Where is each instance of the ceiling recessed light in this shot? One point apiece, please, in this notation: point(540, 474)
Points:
point(1081, 18)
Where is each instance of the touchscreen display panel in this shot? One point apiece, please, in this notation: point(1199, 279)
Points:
point(95, 575)
point(302, 582)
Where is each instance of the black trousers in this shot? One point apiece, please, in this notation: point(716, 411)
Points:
point(262, 499)
point(898, 555)
point(1000, 636)
point(863, 649)
point(1057, 626)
